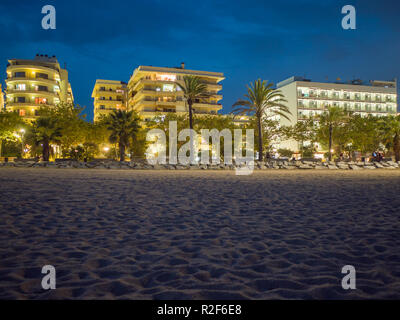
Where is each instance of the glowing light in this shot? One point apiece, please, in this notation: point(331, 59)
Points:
point(166, 77)
point(106, 149)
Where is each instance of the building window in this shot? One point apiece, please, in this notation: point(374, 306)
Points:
point(20, 99)
point(168, 87)
point(22, 113)
point(42, 75)
point(166, 77)
point(102, 107)
point(20, 74)
point(41, 88)
point(40, 100)
point(20, 86)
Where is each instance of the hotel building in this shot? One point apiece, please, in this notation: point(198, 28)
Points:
point(307, 99)
point(37, 82)
point(109, 95)
point(153, 91)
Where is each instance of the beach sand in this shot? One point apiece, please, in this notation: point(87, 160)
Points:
point(276, 234)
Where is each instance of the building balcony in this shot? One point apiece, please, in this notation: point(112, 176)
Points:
point(27, 104)
point(15, 92)
point(108, 101)
point(12, 80)
point(108, 93)
point(336, 98)
point(105, 110)
point(207, 105)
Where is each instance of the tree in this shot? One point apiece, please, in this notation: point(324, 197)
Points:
point(71, 122)
point(124, 126)
point(45, 131)
point(303, 131)
point(162, 122)
point(193, 90)
point(391, 133)
point(365, 133)
point(330, 123)
point(271, 132)
point(261, 100)
point(219, 122)
point(10, 125)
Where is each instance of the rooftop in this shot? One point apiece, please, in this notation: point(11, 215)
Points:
point(180, 70)
point(356, 82)
point(39, 60)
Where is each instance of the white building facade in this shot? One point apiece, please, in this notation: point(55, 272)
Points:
point(307, 99)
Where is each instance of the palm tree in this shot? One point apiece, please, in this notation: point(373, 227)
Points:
point(46, 130)
point(331, 119)
point(193, 89)
point(262, 100)
point(124, 126)
point(391, 133)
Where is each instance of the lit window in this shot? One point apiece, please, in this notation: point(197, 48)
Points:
point(40, 100)
point(20, 86)
point(22, 113)
point(168, 87)
point(166, 77)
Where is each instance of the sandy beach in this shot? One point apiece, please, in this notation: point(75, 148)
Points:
point(115, 234)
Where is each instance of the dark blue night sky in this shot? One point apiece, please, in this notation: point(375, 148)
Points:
point(246, 40)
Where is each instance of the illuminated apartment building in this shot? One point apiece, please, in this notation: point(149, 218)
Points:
point(37, 82)
point(308, 99)
point(108, 96)
point(153, 91)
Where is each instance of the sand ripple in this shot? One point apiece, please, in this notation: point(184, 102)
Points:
point(199, 235)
